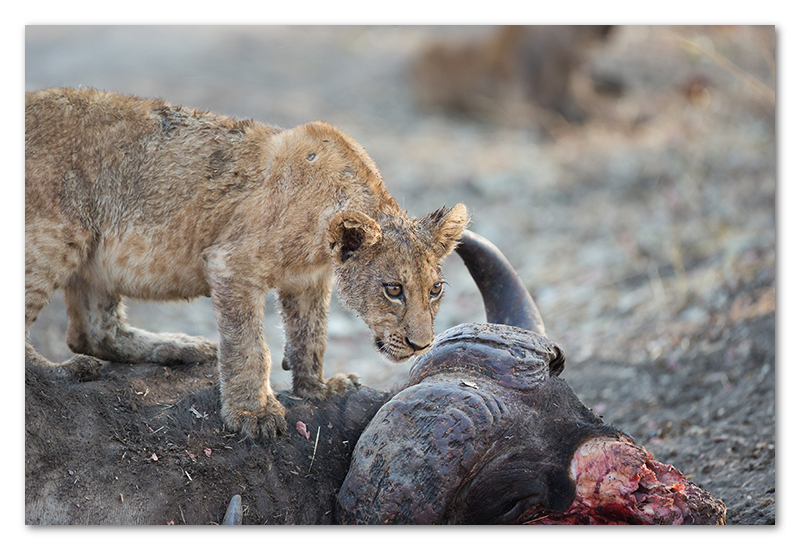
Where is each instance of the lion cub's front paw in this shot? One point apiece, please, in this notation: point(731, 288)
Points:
point(315, 389)
point(310, 388)
point(339, 384)
point(269, 422)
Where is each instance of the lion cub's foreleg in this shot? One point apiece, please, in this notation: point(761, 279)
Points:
point(305, 322)
point(248, 404)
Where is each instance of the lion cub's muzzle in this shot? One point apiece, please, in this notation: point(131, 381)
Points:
point(400, 348)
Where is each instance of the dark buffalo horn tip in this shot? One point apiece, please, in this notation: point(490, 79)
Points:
point(505, 297)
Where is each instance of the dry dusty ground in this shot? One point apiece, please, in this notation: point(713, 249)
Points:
point(647, 235)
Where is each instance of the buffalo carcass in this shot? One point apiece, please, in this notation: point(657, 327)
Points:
point(491, 434)
point(485, 432)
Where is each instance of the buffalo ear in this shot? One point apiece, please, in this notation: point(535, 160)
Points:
point(350, 231)
point(445, 227)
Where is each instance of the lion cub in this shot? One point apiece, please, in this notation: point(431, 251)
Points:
point(136, 197)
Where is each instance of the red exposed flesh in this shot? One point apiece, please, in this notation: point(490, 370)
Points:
point(617, 482)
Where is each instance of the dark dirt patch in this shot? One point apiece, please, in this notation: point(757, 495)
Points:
point(146, 443)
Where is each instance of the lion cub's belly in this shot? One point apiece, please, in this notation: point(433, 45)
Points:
point(147, 267)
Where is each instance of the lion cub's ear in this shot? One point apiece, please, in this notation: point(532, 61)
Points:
point(445, 227)
point(349, 231)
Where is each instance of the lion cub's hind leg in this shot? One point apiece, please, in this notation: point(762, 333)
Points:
point(79, 367)
point(52, 253)
point(97, 326)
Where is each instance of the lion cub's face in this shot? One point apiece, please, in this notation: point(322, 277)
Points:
point(389, 273)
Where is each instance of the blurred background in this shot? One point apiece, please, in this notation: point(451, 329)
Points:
point(627, 172)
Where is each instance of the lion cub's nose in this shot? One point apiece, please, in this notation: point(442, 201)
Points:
point(416, 347)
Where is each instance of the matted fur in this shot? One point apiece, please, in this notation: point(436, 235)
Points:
point(135, 197)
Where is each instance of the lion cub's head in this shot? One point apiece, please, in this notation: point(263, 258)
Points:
point(389, 272)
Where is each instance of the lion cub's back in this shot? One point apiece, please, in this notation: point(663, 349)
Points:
point(153, 183)
point(124, 161)
point(61, 120)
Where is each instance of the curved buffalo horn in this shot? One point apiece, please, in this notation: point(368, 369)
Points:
point(233, 515)
point(505, 297)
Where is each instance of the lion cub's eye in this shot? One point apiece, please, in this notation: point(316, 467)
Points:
point(436, 289)
point(311, 157)
point(393, 290)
